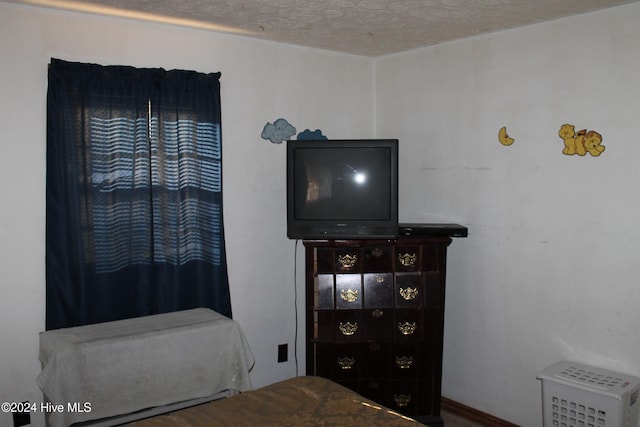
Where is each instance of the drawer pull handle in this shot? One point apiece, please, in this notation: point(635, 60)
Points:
point(402, 400)
point(407, 260)
point(346, 362)
point(407, 328)
point(349, 295)
point(347, 261)
point(377, 252)
point(404, 362)
point(377, 313)
point(409, 293)
point(348, 328)
point(379, 279)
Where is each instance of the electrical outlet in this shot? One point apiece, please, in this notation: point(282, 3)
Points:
point(282, 353)
point(21, 418)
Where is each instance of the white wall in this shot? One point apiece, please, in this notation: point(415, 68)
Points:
point(260, 82)
point(550, 268)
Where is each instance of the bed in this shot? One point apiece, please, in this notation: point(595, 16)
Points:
point(299, 401)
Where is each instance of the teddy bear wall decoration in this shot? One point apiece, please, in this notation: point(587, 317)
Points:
point(580, 142)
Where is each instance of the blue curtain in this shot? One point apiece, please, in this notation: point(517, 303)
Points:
point(134, 193)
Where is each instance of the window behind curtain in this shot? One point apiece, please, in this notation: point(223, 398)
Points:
point(134, 194)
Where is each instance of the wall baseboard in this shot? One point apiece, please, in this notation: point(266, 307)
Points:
point(473, 414)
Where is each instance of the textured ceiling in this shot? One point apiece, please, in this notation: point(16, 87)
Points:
point(361, 27)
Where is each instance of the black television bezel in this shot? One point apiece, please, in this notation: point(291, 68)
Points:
point(349, 229)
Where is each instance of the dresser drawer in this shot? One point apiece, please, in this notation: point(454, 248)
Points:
point(407, 258)
point(406, 361)
point(376, 389)
point(409, 290)
point(347, 326)
point(324, 292)
point(324, 262)
point(378, 325)
point(323, 326)
point(378, 290)
point(347, 260)
point(376, 360)
point(413, 361)
point(377, 259)
point(408, 325)
point(339, 361)
point(348, 291)
point(401, 396)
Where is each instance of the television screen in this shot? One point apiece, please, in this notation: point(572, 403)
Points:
point(342, 189)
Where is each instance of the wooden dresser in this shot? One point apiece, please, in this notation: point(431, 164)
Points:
point(374, 317)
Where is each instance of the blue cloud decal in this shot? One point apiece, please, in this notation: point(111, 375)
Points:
point(278, 131)
point(308, 135)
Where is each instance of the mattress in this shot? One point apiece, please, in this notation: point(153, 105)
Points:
point(300, 401)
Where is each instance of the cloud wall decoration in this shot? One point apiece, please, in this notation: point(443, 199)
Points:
point(308, 135)
point(278, 131)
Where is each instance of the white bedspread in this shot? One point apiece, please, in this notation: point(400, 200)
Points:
point(129, 365)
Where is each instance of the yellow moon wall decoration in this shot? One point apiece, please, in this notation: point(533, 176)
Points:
point(503, 137)
point(580, 142)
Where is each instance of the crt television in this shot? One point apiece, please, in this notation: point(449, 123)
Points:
point(342, 189)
